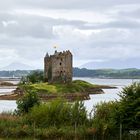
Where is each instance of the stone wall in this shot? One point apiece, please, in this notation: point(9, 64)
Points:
point(59, 66)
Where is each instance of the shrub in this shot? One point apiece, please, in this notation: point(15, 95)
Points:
point(58, 113)
point(104, 119)
point(25, 103)
point(49, 114)
point(33, 77)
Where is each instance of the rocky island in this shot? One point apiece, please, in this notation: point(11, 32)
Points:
point(76, 90)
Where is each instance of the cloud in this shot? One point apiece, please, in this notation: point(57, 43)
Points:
point(125, 24)
point(93, 30)
point(15, 26)
point(32, 25)
point(6, 55)
point(63, 4)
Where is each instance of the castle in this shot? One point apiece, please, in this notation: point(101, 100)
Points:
point(58, 67)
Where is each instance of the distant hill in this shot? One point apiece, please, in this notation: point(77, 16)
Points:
point(14, 73)
point(115, 64)
point(77, 72)
point(107, 73)
point(17, 66)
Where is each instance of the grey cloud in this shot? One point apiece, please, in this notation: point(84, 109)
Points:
point(23, 30)
point(30, 36)
point(29, 25)
point(130, 14)
point(119, 23)
point(72, 4)
point(63, 4)
point(24, 26)
point(108, 51)
point(42, 27)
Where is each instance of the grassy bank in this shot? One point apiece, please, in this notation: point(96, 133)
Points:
point(72, 91)
point(74, 87)
point(77, 89)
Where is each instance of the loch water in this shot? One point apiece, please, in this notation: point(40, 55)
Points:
point(109, 94)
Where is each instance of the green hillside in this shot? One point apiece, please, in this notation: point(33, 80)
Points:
point(77, 86)
point(107, 73)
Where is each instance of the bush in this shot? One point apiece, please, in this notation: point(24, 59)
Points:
point(58, 113)
point(25, 103)
point(104, 121)
point(33, 77)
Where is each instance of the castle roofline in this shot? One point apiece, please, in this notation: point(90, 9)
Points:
point(62, 53)
point(47, 55)
point(58, 53)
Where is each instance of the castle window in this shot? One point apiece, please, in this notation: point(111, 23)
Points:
point(61, 59)
point(61, 73)
point(60, 63)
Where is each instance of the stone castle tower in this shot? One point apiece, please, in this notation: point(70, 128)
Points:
point(58, 67)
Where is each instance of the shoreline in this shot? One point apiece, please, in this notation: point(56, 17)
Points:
point(68, 96)
point(8, 87)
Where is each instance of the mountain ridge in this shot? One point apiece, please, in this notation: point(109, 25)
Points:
point(17, 66)
point(113, 64)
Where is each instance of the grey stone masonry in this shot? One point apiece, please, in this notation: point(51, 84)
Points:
point(58, 67)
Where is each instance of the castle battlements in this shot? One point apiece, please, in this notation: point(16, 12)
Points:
point(58, 67)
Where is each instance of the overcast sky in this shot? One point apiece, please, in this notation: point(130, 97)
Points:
point(94, 30)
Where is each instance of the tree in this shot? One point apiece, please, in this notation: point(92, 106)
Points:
point(120, 116)
point(129, 109)
point(33, 77)
point(25, 103)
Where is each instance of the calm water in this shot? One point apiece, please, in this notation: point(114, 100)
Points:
point(6, 91)
point(110, 94)
point(6, 105)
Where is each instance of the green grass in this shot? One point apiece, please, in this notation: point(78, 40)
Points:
point(74, 87)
